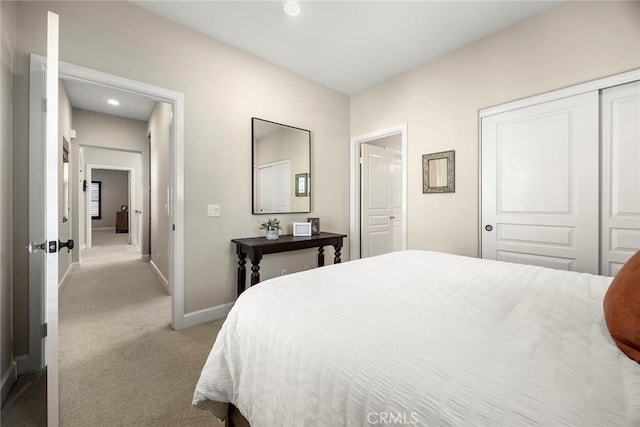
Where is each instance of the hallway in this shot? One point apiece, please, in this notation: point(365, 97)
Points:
point(120, 362)
point(109, 248)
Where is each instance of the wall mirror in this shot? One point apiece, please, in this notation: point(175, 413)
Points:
point(438, 172)
point(281, 163)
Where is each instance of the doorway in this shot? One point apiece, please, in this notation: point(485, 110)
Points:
point(380, 196)
point(378, 193)
point(175, 186)
point(69, 72)
point(111, 190)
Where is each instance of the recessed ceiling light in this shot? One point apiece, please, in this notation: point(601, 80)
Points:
point(292, 8)
point(113, 102)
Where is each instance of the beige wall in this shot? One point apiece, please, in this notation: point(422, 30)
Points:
point(160, 129)
point(223, 89)
point(569, 44)
point(7, 46)
point(64, 132)
point(115, 193)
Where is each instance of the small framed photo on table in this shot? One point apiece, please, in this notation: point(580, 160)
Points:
point(302, 229)
point(315, 225)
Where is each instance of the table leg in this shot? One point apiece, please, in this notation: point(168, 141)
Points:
point(336, 258)
point(320, 256)
point(255, 270)
point(242, 272)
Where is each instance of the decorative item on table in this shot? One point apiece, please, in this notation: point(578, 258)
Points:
point(438, 172)
point(272, 225)
point(315, 225)
point(302, 229)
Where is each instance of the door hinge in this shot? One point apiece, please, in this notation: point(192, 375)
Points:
point(53, 246)
point(44, 330)
point(173, 227)
point(44, 104)
point(361, 160)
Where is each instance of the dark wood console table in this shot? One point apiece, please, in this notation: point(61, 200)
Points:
point(255, 247)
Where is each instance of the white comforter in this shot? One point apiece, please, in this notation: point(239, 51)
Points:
point(423, 338)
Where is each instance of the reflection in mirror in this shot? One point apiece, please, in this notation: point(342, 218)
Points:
point(281, 168)
point(438, 172)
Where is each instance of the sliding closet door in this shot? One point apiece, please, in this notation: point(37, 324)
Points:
point(540, 184)
point(620, 176)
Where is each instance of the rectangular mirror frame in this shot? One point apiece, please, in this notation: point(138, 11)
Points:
point(295, 192)
point(428, 187)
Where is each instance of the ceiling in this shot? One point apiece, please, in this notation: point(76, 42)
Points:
point(348, 45)
point(93, 97)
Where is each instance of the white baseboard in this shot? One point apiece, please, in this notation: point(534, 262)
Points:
point(8, 379)
point(163, 280)
point(63, 281)
point(103, 228)
point(206, 315)
point(145, 258)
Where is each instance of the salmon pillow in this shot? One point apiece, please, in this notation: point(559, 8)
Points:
point(622, 308)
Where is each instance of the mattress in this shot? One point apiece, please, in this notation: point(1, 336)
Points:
point(422, 338)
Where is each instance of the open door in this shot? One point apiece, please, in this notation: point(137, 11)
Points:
point(43, 216)
point(50, 214)
point(381, 201)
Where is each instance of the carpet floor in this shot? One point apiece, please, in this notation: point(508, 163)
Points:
point(120, 362)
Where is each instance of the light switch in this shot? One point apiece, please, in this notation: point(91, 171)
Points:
point(213, 210)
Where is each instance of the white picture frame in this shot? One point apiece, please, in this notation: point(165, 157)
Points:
point(302, 229)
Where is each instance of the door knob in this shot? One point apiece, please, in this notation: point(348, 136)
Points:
point(392, 217)
point(488, 227)
point(69, 244)
point(32, 247)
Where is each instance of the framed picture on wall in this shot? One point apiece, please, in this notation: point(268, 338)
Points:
point(302, 184)
point(438, 172)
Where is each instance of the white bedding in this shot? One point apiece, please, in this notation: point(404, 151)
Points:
point(428, 339)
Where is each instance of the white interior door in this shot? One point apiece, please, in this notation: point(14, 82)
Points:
point(540, 184)
point(274, 187)
point(381, 206)
point(50, 214)
point(620, 176)
point(43, 216)
point(396, 200)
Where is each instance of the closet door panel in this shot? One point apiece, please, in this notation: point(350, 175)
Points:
point(539, 184)
point(620, 106)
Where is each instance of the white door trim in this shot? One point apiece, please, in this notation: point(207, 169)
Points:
point(176, 99)
point(598, 84)
point(37, 132)
point(133, 193)
point(354, 180)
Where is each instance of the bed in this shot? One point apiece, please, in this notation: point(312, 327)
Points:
point(422, 338)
